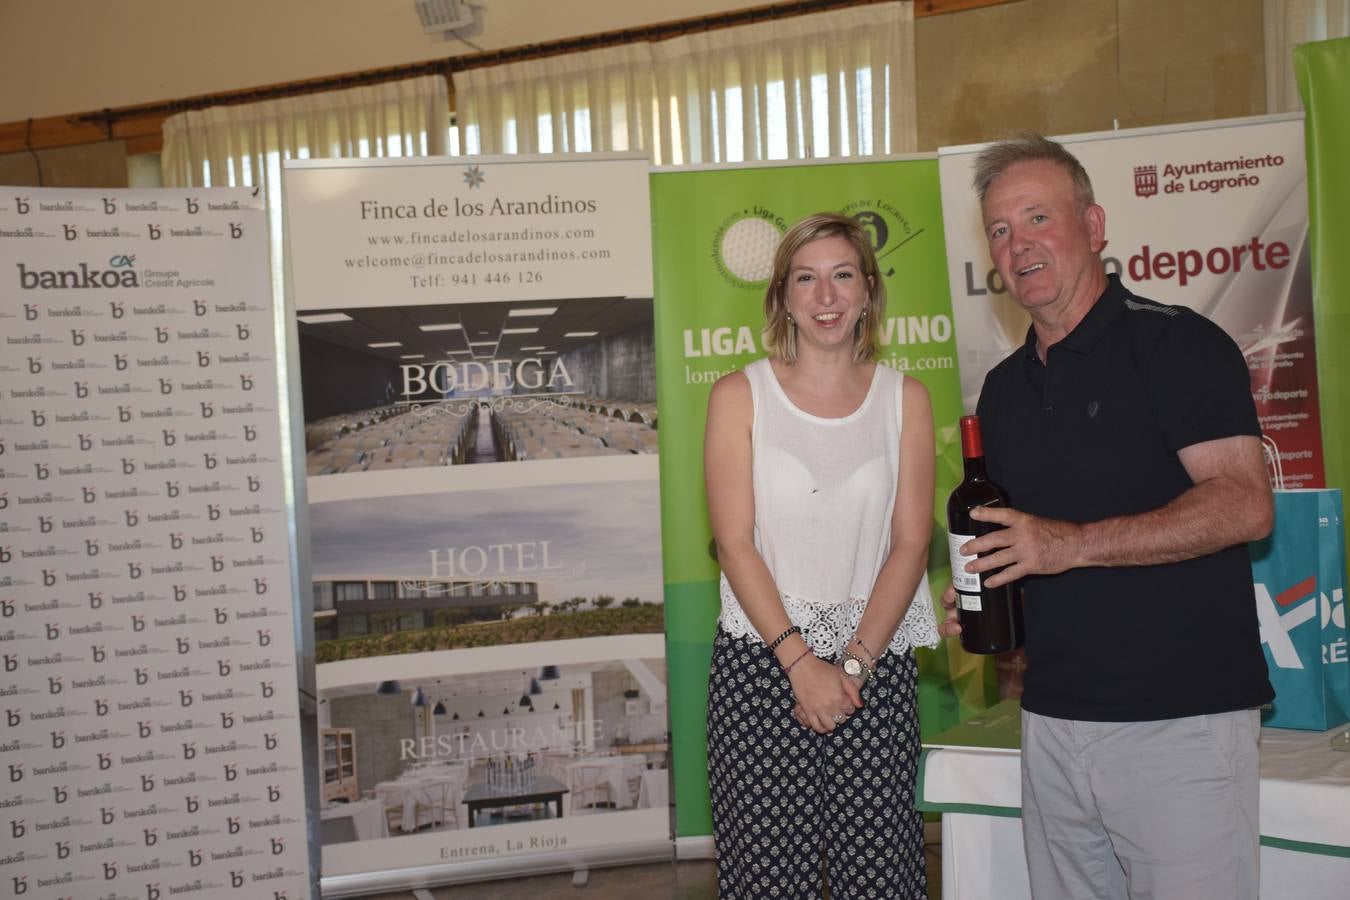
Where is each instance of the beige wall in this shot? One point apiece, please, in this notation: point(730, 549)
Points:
point(87, 165)
point(67, 56)
point(1060, 66)
point(1068, 66)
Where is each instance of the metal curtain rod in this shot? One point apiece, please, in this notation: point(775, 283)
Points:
point(106, 118)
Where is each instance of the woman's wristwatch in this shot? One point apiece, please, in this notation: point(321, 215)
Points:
point(854, 667)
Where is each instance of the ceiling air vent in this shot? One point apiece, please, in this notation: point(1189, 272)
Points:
point(441, 16)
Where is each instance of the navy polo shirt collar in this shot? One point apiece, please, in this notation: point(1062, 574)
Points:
point(1094, 325)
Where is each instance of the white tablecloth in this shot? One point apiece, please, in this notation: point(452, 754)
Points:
point(367, 817)
point(655, 790)
point(425, 788)
point(1305, 819)
point(612, 771)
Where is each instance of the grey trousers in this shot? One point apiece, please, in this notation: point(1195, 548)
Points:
point(1162, 810)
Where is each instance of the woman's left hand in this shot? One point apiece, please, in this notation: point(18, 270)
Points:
point(851, 687)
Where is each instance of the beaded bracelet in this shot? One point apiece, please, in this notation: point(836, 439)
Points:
point(784, 636)
point(805, 653)
point(857, 640)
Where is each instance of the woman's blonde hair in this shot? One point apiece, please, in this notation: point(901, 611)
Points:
point(780, 332)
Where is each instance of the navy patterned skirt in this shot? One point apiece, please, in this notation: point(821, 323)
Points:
point(792, 808)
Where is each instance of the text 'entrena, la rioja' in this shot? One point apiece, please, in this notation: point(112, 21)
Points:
point(991, 618)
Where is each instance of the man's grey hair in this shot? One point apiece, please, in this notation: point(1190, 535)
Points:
point(1028, 146)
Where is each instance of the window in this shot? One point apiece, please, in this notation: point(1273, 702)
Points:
point(244, 145)
point(348, 591)
point(838, 83)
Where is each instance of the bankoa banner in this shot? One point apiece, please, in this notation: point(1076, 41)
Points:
point(480, 425)
point(152, 744)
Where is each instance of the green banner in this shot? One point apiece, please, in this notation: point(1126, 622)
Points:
point(1323, 71)
point(714, 233)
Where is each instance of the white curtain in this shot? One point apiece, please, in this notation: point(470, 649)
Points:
point(1292, 22)
point(838, 83)
point(244, 145)
point(597, 100)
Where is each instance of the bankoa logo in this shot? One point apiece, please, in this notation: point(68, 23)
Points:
point(121, 275)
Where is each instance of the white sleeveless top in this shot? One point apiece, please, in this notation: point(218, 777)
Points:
point(824, 494)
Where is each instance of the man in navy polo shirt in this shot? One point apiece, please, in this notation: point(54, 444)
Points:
point(1125, 435)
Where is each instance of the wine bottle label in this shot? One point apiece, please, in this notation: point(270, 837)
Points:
point(963, 581)
point(969, 602)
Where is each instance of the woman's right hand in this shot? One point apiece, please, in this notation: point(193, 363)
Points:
point(951, 626)
point(822, 692)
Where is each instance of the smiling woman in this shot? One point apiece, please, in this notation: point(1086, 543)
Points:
point(835, 250)
point(813, 659)
point(827, 292)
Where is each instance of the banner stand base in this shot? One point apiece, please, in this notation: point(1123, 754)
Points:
point(496, 869)
point(696, 847)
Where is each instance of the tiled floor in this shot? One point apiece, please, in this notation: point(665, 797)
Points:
point(660, 881)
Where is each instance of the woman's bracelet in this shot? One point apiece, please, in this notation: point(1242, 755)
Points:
point(857, 640)
point(788, 668)
point(783, 637)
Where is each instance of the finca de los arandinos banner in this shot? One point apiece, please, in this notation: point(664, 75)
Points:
point(480, 436)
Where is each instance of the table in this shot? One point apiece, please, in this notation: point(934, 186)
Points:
point(546, 790)
point(367, 818)
point(972, 775)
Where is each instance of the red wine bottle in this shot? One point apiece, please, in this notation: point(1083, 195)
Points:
point(991, 618)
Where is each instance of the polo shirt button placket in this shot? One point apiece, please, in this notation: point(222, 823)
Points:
point(1047, 404)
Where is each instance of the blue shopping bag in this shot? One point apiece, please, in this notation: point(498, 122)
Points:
point(1299, 573)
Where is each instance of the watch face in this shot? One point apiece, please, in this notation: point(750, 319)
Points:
point(852, 667)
